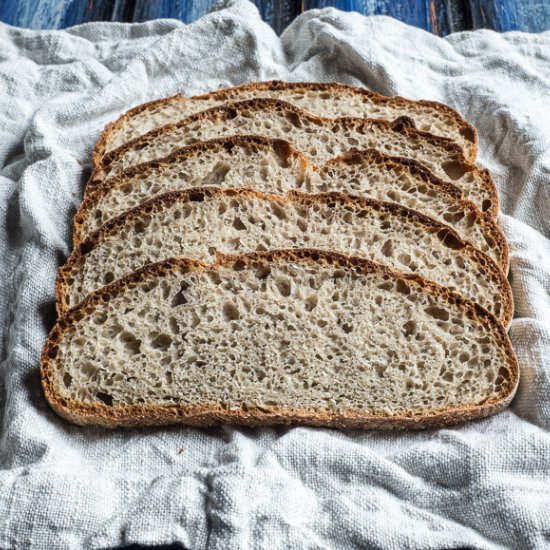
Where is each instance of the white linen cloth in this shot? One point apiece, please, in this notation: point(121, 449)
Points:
point(483, 485)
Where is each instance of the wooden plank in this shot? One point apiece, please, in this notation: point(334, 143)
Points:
point(56, 14)
point(511, 15)
point(499, 15)
point(451, 16)
point(186, 11)
point(436, 16)
point(278, 13)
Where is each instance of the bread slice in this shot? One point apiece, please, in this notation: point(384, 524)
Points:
point(328, 100)
point(200, 223)
point(320, 139)
point(274, 166)
point(280, 337)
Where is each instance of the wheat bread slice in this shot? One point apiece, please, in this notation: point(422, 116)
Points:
point(329, 100)
point(274, 166)
point(319, 139)
point(199, 223)
point(302, 337)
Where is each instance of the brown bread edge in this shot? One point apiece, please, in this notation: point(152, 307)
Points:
point(156, 415)
point(402, 125)
point(444, 232)
point(467, 130)
point(285, 149)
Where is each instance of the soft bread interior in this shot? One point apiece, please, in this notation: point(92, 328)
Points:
point(201, 223)
point(312, 336)
point(320, 139)
point(274, 168)
point(330, 101)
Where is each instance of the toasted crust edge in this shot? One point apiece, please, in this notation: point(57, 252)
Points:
point(349, 201)
point(281, 147)
point(467, 130)
point(140, 416)
point(401, 125)
point(285, 149)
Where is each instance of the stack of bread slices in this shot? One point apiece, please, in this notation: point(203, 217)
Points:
point(284, 253)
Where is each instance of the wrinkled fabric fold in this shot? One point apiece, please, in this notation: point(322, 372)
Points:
point(482, 485)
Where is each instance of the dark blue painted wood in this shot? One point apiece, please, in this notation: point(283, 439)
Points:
point(438, 16)
point(511, 15)
point(56, 14)
point(499, 15)
point(186, 10)
point(278, 13)
point(451, 16)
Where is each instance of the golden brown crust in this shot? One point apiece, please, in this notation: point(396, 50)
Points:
point(353, 202)
point(486, 219)
point(98, 190)
point(401, 126)
point(101, 144)
point(285, 150)
point(148, 415)
point(467, 131)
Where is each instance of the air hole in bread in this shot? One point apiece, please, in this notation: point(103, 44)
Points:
point(437, 313)
point(454, 169)
point(311, 302)
point(105, 398)
point(179, 298)
point(218, 174)
point(132, 345)
point(302, 225)
point(284, 286)
point(294, 119)
point(450, 240)
point(453, 217)
point(278, 211)
point(238, 224)
point(149, 286)
point(174, 325)
point(262, 272)
point(402, 287)
point(67, 380)
point(387, 248)
point(161, 342)
point(230, 312)
point(99, 318)
point(347, 328)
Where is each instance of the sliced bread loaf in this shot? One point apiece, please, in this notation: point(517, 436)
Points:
point(320, 139)
point(328, 100)
point(269, 338)
point(274, 166)
point(200, 223)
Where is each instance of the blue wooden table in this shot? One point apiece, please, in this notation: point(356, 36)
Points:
point(438, 16)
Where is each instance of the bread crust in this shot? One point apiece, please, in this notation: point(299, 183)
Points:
point(467, 131)
point(285, 150)
point(401, 126)
point(282, 148)
point(353, 202)
point(208, 415)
